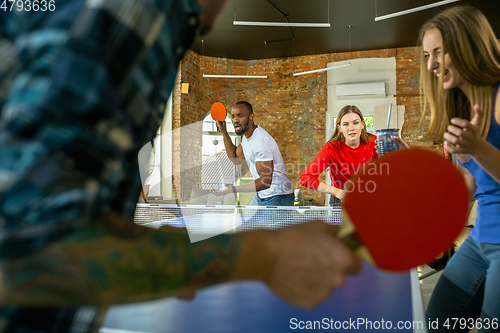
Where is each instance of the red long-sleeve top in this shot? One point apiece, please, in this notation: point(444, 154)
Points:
point(342, 160)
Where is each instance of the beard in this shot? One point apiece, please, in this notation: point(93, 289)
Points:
point(242, 130)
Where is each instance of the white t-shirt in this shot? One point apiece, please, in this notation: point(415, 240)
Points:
point(262, 147)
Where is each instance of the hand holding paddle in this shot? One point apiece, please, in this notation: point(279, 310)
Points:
point(218, 112)
point(221, 127)
point(302, 263)
point(404, 209)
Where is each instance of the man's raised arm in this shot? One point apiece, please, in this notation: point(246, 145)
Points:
point(234, 153)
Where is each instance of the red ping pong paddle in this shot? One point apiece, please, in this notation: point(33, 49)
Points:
point(404, 209)
point(218, 111)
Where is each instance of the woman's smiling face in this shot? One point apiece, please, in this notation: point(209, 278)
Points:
point(432, 47)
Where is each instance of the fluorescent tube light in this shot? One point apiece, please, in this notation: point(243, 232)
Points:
point(413, 10)
point(237, 76)
point(321, 70)
point(283, 24)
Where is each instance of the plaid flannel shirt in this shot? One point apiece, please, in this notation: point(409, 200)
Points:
point(82, 89)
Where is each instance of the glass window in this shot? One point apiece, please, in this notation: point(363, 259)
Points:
point(213, 141)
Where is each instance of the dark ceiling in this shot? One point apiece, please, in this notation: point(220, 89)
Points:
point(246, 42)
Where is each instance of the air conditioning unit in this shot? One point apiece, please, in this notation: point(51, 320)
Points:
point(360, 90)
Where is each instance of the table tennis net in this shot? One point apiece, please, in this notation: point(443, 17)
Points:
point(232, 218)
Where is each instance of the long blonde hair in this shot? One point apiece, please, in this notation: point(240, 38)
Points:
point(475, 53)
point(337, 134)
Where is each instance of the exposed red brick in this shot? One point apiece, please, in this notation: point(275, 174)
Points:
point(291, 108)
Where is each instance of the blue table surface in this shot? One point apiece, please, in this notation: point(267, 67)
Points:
point(374, 296)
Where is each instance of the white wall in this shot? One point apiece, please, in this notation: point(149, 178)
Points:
point(166, 153)
point(155, 162)
point(361, 71)
point(396, 121)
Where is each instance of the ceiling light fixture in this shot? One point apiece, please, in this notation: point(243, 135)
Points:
point(282, 24)
point(230, 76)
point(413, 10)
point(321, 70)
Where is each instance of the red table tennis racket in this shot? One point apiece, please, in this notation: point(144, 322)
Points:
point(404, 209)
point(218, 111)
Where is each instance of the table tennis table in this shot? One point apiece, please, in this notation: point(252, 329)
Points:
point(372, 301)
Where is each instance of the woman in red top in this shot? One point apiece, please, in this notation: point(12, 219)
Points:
point(349, 148)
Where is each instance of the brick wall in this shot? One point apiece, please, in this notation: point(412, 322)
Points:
point(407, 90)
point(292, 109)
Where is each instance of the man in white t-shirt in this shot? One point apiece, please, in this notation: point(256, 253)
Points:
point(263, 158)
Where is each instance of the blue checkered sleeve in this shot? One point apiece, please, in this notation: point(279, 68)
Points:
point(79, 95)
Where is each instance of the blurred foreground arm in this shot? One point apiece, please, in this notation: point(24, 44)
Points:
point(116, 261)
point(303, 263)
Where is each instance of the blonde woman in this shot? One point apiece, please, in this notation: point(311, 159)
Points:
point(350, 147)
point(460, 77)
